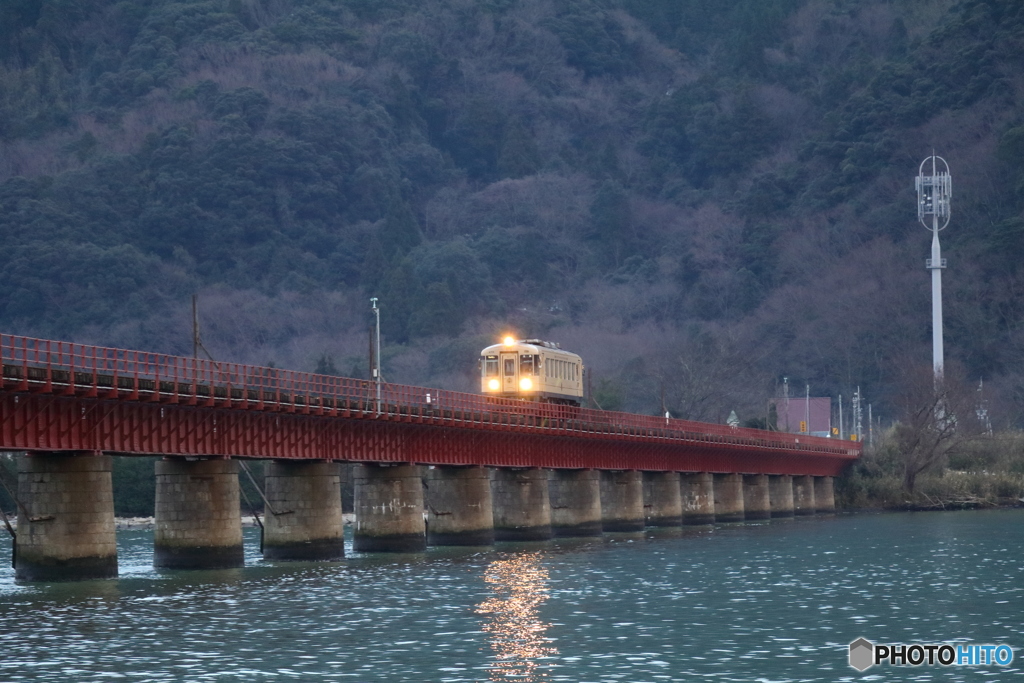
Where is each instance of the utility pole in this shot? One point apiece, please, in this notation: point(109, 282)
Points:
point(841, 434)
point(858, 416)
point(807, 410)
point(197, 338)
point(871, 427)
point(785, 394)
point(982, 409)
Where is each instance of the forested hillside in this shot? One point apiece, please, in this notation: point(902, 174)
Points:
point(699, 196)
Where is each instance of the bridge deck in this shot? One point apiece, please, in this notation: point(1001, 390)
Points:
point(84, 375)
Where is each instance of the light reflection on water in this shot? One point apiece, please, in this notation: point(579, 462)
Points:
point(514, 625)
point(775, 601)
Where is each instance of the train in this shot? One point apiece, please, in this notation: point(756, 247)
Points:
point(531, 369)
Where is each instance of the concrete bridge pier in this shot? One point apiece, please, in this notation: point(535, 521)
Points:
point(780, 490)
point(663, 502)
point(622, 500)
point(575, 502)
point(459, 508)
point(68, 533)
point(389, 509)
point(729, 498)
point(824, 495)
point(803, 495)
point(756, 500)
point(305, 521)
point(522, 507)
point(698, 494)
point(198, 521)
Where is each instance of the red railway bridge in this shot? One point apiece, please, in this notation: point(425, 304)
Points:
point(495, 468)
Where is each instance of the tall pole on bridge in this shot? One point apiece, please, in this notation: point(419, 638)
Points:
point(934, 192)
point(376, 354)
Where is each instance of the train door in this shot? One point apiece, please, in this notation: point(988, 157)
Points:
point(509, 372)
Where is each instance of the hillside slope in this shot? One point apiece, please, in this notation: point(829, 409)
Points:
point(699, 197)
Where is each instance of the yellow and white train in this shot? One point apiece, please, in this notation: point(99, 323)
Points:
point(532, 369)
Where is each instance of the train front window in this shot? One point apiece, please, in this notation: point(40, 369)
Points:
point(491, 366)
point(510, 367)
point(526, 365)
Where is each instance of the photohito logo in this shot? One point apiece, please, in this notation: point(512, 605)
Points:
point(864, 654)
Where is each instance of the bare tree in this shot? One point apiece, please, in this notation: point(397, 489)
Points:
point(706, 375)
point(935, 415)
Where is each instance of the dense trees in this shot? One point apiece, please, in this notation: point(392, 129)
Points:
point(706, 186)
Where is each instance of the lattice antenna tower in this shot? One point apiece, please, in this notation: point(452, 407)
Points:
point(934, 192)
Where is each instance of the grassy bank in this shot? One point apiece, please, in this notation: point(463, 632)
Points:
point(985, 471)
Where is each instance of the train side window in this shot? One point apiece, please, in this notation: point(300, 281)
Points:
point(510, 367)
point(490, 367)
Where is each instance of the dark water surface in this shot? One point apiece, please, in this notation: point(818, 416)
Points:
point(776, 601)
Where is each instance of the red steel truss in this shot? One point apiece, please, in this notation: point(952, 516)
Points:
point(60, 396)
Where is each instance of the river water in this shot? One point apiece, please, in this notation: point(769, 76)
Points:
point(774, 601)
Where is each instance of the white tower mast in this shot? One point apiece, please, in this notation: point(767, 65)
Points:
point(933, 207)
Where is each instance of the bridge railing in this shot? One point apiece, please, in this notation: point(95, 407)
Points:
point(42, 365)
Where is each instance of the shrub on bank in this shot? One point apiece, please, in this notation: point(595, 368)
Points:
point(979, 472)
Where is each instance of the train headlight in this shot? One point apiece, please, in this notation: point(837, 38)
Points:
point(526, 384)
point(509, 341)
point(493, 385)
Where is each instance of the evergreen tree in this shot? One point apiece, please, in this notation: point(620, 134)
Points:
point(519, 155)
point(611, 217)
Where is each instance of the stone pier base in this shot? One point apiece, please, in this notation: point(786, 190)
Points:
point(663, 502)
point(824, 495)
point(575, 502)
point(729, 498)
point(522, 509)
point(68, 534)
point(756, 501)
point(306, 522)
point(698, 494)
point(780, 490)
point(803, 496)
point(622, 500)
point(459, 510)
point(389, 509)
point(198, 522)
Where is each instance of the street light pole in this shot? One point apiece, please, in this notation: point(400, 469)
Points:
point(376, 354)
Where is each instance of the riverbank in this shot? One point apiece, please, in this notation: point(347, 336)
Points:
point(944, 490)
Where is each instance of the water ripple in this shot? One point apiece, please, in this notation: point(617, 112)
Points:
point(767, 602)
